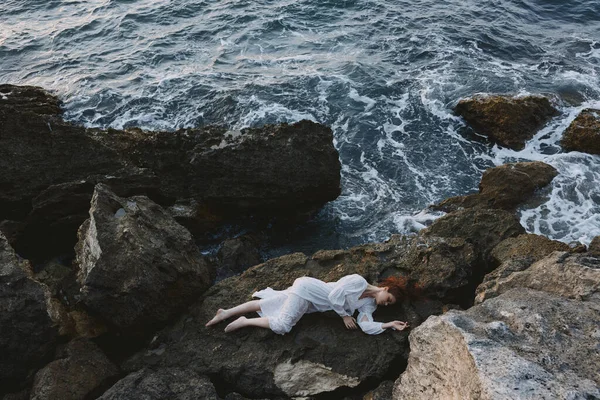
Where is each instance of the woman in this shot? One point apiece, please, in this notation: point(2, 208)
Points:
point(281, 310)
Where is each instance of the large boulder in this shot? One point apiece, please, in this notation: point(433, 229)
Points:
point(79, 371)
point(319, 355)
point(237, 255)
point(569, 275)
point(483, 228)
point(48, 168)
point(138, 267)
point(523, 344)
point(584, 133)
point(168, 383)
point(504, 187)
point(594, 248)
point(27, 332)
point(532, 246)
point(508, 121)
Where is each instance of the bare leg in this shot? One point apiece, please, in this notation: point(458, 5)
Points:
point(237, 310)
point(242, 322)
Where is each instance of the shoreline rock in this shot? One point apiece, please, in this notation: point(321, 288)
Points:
point(584, 133)
point(48, 168)
point(508, 121)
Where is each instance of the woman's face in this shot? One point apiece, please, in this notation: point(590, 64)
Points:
point(384, 298)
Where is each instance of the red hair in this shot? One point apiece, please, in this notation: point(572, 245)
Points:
point(401, 288)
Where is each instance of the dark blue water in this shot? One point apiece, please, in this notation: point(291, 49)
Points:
point(383, 74)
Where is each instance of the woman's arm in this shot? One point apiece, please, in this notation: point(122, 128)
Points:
point(366, 323)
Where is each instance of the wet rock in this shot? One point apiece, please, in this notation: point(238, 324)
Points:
point(278, 170)
point(577, 247)
point(523, 344)
point(80, 370)
point(237, 255)
point(508, 121)
point(138, 267)
point(594, 247)
point(167, 383)
point(27, 333)
point(534, 247)
point(584, 133)
point(504, 187)
point(484, 229)
point(561, 273)
point(319, 355)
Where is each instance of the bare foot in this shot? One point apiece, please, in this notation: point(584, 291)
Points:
point(221, 315)
point(237, 324)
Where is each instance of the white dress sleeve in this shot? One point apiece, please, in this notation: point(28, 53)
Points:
point(351, 285)
point(365, 319)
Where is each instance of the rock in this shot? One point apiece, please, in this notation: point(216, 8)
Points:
point(167, 383)
point(278, 170)
point(20, 395)
point(138, 267)
point(319, 355)
point(523, 344)
point(504, 187)
point(27, 333)
point(584, 133)
point(382, 392)
point(534, 247)
point(577, 247)
point(561, 273)
point(484, 229)
point(237, 255)
point(80, 370)
point(508, 121)
point(594, 247)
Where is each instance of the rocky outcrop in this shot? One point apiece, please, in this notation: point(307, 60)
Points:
point(319, 355)
point(504, 187)
point(237, 255)
point(594, 248)
point(523, 344)
point(584, 133)
point(27, 333)
point(168, 383)
point(284, 170)
point(484, 229)
point(508, 121)
point(80, 370)
point(382, 392)
point(569, 275)
point(534, 247)
point(138, 267)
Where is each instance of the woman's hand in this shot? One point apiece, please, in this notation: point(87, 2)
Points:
point(397, 325)
point(350, 322)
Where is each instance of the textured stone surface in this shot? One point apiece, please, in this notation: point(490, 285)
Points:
point(80, 369)
point(237, 255)
point(594, 248)
point(250, 361)
point(277, 170)
point(524, 344)
point(504, 187)
point(584, 133)
point(528, 245)
point(484, 229)
point(382, 392)
point(27, 333)
point(138, 267)
point(508, 121)
point(569, 275)
point(169, 383)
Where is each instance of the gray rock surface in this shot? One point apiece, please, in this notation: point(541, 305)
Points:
point(237, 255)
point(80, 370)
point(523, 344)
point(162, 384)
point(27, 333)
point(569, 275)
point(138, 267)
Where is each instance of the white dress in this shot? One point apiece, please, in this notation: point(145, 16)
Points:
point(284, 308)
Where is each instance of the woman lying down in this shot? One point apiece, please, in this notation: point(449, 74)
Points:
point(280, 310)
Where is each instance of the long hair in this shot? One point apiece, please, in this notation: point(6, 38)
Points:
point(401, 288)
